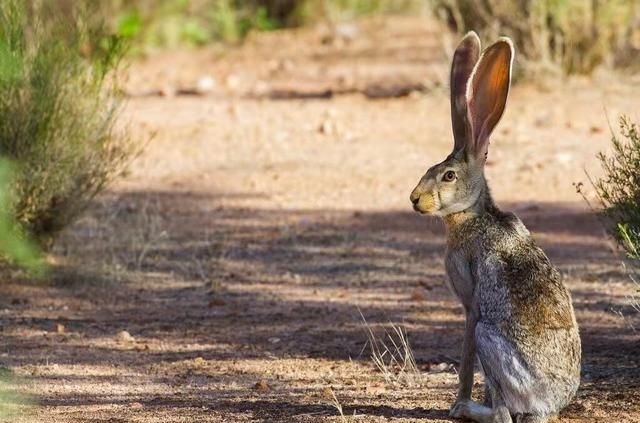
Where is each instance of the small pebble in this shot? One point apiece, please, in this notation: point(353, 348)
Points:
point(125, 336)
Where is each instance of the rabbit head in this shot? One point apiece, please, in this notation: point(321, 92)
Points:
point(479, 88)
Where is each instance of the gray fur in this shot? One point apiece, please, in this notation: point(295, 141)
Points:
point(520, 322)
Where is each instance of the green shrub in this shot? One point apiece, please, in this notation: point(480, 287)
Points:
point(572, 36)
point(58, 106)
point(14, 245)
point(172, 23)
point(619, 188)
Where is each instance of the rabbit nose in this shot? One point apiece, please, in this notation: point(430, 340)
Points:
point(414, 197)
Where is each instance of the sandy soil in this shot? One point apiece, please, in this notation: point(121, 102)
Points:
point(241, 249)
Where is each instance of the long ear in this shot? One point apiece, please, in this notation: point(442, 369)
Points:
point(464, 60)
point(487, 93)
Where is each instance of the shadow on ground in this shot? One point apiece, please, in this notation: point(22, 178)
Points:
point(193, 278)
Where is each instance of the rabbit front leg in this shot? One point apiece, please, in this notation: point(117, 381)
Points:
point(481, 414)
point(492, 411)
point(465, 374)
point(495, 412)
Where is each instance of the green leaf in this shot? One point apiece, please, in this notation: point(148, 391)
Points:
point(129, 25)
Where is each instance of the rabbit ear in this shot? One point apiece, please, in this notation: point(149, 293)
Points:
point(487, 93)
point(464, 60)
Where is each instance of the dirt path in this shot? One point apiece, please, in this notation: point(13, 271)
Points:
point(239, 252)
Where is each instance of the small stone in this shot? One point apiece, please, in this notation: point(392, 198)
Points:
point(205, 85)
point(327, 127)
point(440, 367)
point(418, 294)
point(124, 336)
point(347, 31)
point(217, 302)
point(564, 157)
point(262, 385)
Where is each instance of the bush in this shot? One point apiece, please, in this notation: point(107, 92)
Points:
point(58, 106)
point(13, 244)
point(572, 36)
point(171, 23)
point(619, 188)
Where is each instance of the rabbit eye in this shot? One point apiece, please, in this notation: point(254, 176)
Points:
point(449, 176)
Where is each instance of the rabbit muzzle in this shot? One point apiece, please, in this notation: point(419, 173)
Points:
point(424, 199)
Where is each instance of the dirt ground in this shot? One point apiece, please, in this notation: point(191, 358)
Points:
point(264, 216)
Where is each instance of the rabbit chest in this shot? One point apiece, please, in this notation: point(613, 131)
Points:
point(459, 275)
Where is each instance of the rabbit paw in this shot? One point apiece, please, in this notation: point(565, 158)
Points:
point(459, 409)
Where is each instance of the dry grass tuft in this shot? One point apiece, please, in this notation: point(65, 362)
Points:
point(330, 395)
point(393, 356)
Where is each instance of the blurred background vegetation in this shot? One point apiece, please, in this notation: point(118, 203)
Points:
point(171, 23)
point(566, 36)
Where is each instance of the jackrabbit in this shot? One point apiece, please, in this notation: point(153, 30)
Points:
point(519, 318)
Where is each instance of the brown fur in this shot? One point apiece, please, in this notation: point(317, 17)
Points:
point(519, 318)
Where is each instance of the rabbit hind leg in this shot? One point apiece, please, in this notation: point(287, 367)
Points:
point(509, 377)
point(489, 391)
